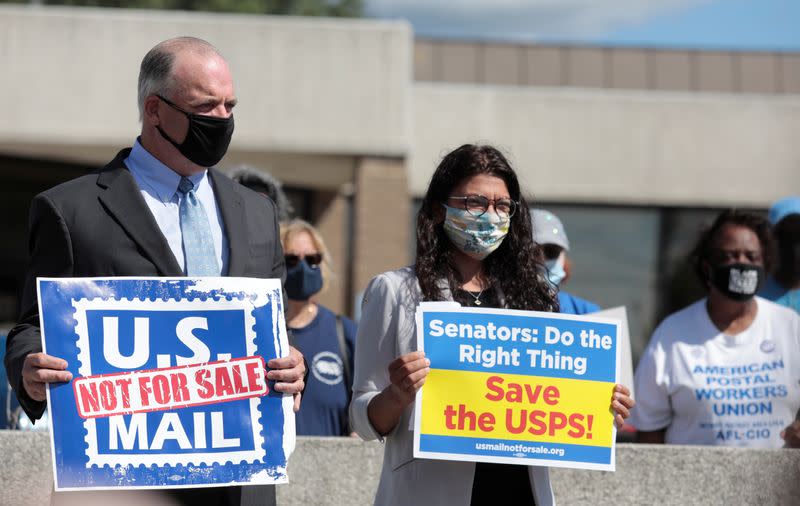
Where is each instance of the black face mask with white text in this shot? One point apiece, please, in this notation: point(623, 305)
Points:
point(206, 140)
point(738, 282)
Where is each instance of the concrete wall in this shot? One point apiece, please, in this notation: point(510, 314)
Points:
point(618, 147)
point(704, 129)
point(304, 85)
point(345, 471)
point(606, 67)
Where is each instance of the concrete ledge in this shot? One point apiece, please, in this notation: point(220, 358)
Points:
point(345, 471)
point(26, 477)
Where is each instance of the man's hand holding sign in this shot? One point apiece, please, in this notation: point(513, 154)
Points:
point(40, 369)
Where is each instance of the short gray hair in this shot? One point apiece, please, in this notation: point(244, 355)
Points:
point(155, 72)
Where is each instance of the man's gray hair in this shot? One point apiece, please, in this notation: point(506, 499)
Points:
point(263, 182)
point(155, 72)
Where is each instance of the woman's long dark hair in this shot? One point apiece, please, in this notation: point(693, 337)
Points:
point(515, 266)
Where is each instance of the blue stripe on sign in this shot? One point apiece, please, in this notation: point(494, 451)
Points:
point(487, 339)
point(510, 449)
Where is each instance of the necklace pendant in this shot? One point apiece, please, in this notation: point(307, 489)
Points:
point(477, 302)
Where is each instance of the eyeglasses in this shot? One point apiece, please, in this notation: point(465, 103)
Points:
point(477, 205)
point(313, 260)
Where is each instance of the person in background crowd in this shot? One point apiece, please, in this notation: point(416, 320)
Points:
point(549, 233)
point(266, 184)
point(783, 287)
point(474, 246)
point(132, 218)
point(725, 370)
point(328, 340)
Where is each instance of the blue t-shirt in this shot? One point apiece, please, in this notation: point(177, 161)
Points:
point(772, 290)
point(790, 299)
point(323, 410)
point(571, 304)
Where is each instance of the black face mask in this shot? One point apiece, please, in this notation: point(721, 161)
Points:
point(739, 282)
point(206, 140)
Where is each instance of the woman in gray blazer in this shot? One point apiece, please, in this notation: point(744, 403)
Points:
point(474, 246)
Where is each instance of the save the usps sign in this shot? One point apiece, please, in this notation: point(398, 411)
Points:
point(169, 382)
point(516, 387)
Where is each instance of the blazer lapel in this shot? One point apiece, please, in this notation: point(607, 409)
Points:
point(123, 200)
point(232, 210)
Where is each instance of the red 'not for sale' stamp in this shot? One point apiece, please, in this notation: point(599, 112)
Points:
point(170, 388)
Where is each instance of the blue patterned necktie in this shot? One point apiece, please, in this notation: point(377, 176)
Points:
point(198, 244)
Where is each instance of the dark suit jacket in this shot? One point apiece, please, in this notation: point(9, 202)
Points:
point(99, 225)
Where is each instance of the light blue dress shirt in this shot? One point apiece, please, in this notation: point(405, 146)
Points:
point(159, 186)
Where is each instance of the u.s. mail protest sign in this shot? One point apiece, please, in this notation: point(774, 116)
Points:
point(516, 387)
point(169, 382)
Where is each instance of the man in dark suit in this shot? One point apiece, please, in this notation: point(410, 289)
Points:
point(157, 209)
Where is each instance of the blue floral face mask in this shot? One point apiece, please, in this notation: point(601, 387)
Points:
point(477, 236)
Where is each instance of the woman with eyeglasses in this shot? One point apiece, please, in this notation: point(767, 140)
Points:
point(325, 339)
point(724, 371)
point(474, 246)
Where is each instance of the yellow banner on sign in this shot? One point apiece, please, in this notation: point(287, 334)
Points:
point(517, 407)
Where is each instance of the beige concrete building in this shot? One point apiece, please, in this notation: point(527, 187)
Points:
point(633, 148)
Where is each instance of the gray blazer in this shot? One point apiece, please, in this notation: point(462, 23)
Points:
point(387, 330)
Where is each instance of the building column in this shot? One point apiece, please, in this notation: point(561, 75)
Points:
point(381, 207)
point(330, 213)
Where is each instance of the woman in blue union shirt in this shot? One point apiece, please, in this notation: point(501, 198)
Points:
point(325, 339)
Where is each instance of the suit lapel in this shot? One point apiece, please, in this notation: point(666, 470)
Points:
point(232, 210)
point(123, 200)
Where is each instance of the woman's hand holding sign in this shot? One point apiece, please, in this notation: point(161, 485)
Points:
point(406, 375)
point(40, 369)
point(621, 403)
point(791, 434)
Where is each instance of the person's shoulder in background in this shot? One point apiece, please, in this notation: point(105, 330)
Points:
point(571, 304)
point(790, 299)
point(771, 290)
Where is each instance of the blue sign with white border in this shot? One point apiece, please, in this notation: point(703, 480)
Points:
point(169, 386)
